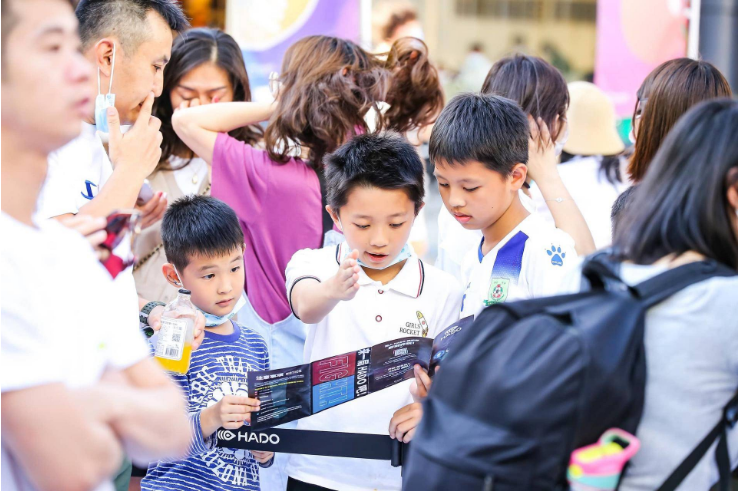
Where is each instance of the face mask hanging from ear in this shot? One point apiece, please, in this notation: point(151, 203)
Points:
point(104, 101)
point(210, 319)
point(404, 254)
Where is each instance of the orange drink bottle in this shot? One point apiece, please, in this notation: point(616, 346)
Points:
point(174, 343)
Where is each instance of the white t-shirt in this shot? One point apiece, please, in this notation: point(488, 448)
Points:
point(592, 193)
point(455, 241)
point(531, 261)
point(56, 314)
point(691, 350)
point(76, 173)
point(377, 314)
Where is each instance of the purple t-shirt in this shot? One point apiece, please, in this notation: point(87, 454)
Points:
point(279, 208)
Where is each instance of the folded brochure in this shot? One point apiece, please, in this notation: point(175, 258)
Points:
point(292, 393)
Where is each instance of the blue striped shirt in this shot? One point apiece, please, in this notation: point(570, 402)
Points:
point(218, 368)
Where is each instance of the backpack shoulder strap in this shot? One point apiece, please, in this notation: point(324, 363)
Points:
point(728, 419)
point(656, 289)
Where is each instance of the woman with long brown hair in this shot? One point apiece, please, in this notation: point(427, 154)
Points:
point(207, 66)
point(666, 94)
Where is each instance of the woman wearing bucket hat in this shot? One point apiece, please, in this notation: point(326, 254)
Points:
point(591, 165)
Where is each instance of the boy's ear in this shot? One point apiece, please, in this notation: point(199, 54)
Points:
point(334, 217)
point(243, 247)
point(518, 176)
point(171, 275)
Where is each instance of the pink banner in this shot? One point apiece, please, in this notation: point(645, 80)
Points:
point(633, 37)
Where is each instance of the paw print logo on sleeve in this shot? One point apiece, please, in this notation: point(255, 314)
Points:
point(557, 255)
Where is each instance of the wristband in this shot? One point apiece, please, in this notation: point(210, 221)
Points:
point(144, 314)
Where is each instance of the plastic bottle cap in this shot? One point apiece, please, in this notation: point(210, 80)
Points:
point(185, 292)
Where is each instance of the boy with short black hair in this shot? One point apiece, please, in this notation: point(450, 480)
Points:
point(204, 245)
point(479, 147)
point(370, 289)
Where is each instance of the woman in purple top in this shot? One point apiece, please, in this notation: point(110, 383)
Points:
point(327, 85)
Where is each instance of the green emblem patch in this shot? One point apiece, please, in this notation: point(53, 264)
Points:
point(498, 291)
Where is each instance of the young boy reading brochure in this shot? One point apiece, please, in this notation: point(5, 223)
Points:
point(479, 147)
point(367, 290)
point(204, 245)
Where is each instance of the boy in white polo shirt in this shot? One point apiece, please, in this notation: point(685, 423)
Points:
point(370, 289)
point(479, 147)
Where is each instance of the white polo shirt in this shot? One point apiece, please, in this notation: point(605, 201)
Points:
point(76, 173)
point(531, 261)
point(377, 314)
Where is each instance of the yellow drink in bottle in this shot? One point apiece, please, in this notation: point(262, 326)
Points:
point(174, 341)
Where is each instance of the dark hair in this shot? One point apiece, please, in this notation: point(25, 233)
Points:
point(100, 18)
point(681, 204)
point(415, 95)
point(538, 87)
point(192, 49)
point(490, 129)
point(384, 161)
point(199, 225)
point(327, 86)
point(665, 95)
point(9, 21)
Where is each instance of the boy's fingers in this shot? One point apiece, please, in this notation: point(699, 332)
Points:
point(241, 401)
point(422, 377)
point(409, 436)
point(354, 254)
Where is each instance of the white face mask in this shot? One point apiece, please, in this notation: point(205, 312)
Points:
point(104, 101)
point(404, 254)
point(212, 320)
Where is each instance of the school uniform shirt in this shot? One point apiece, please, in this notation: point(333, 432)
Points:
point(280, 211)
point(378, 313)
point(76, 173)
point(532, 261)
point(218, 368)
point(56, 319)
point(454, 241)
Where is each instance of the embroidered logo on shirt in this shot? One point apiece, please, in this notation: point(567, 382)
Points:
point(89, 185)
point(418, 327)
point(557, 255)
point(498, 291)
point(424, 324)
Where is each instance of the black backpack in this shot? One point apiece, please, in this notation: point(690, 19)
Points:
point(529, 382)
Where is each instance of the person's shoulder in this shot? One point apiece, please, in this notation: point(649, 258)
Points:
point(439, 281)
point(329, 256)
point(543, 234)
point(227, 144)
point(250, 336)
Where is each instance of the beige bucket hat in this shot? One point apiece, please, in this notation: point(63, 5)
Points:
point(592, 122)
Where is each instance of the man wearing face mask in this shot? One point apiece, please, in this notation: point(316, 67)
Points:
point(128, 43)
